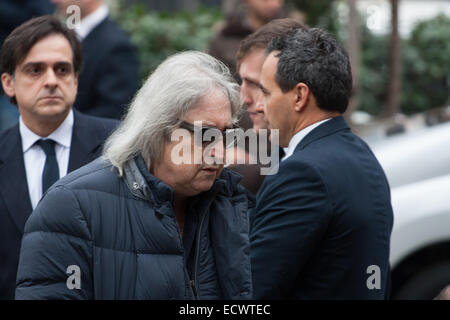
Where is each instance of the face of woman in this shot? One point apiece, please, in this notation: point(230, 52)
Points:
point(200, 165)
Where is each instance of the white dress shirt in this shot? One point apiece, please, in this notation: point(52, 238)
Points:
point(34, 157)
point(92, 20)
point(298, 137)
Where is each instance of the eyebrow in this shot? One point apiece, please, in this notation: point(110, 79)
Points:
point(252, 81)
point(32, 64)
point(228, 126)
point(211, 126)
point(264, 90)
point(40, 64)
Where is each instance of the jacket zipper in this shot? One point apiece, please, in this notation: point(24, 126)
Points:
point(194, 289)
point(191, 282)
point(197, 253)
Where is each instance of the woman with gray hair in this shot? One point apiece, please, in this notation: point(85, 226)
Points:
point(157, 217)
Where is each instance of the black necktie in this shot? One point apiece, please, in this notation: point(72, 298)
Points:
point(51, 169)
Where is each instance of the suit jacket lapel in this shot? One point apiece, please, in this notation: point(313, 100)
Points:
point(13, 182)
point(85, 142)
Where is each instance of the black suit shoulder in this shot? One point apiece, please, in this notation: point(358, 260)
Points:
point(110, 74)
point(7, 137)
point(110, 35)
point(98, 123)
point(89, 126)
point(335, 152)
point(4, 134)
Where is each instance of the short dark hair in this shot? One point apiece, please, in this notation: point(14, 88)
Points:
point(261, 38)
point(20, 41)
point(315, 58)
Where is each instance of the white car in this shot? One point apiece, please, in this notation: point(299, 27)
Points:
point(417, 166)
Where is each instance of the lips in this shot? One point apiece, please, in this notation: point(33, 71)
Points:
point(51, 97)
point(210, 170)
point(256, 115)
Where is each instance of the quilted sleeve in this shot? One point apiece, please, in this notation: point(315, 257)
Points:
point(56, 253)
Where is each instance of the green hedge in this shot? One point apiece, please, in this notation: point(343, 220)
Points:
point(425, 63)
point(426, 74)
point(158, 35)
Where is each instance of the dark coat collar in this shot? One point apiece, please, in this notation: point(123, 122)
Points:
point(85, 140)
point(160, 192)
point(329, 127)
point(93, 34)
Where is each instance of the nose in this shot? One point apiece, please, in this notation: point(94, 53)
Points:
point(259, 104)
point(246, 97)
point(50, 78)
point(260, 107)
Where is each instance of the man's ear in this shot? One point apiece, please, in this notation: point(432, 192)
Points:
point(8, 84)
point(301, 91)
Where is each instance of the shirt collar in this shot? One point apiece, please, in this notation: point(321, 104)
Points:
point(298, 137)
point(62, 135)
point(91, 21)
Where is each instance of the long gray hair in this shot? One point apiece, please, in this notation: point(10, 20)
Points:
point(159, 106)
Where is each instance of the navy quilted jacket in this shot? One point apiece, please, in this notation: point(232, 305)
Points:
point(119, 237)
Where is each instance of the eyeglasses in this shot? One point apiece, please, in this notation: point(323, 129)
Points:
point(229, 136)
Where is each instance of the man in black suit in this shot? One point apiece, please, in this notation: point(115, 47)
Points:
point(39, 64)
point(321, 227)
point(109, 77)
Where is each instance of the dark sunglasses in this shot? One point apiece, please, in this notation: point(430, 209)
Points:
point(230, 136)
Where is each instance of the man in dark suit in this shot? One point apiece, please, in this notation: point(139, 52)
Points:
point(321, 227)
point(39, 65)
point(109, 77)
